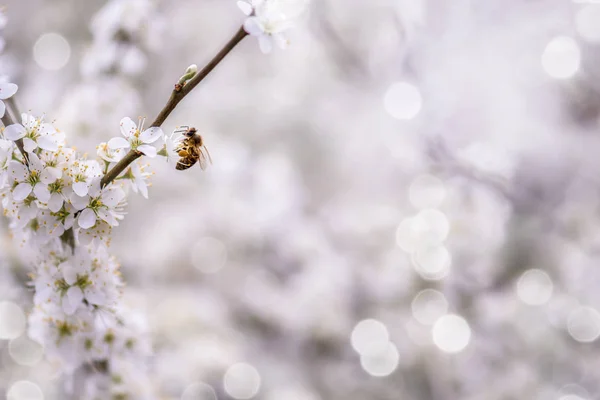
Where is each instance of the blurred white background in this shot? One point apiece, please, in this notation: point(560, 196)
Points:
point(402, 204)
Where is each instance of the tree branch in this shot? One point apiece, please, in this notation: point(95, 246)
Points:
point(177, 95)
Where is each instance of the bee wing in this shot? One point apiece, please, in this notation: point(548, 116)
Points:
point(207, 153)
point(202, 161)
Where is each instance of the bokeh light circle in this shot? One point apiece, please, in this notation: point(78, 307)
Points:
point(369, 336)
point(208, 255)
point(432, 262)
point(382, 362)
point(426, 191)
point(428, 306)
point(587, 23)
point(402, 100)
point(12, 320)
point(24, 390)
point(429, 227)
point(293, 392)
point(534, 287)
point(451, 333)
point(241, 381)
point(583, 324)
point(25, 351)
point(561, 58)
point(51, 51)
point(199, 391)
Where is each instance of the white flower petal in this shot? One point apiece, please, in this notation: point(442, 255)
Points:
point(73, 300)
point(35, 164)
point(245, 7)
point(17, 171)
point(29, 145)
point(69, 273)
point(142, 186)
point(79, 202)
point(253, 26)
point(87, 219)
point(21, 192)
point(41, 192)
point(47, 143)
point(81, 188)
point(151, 135)
point(2, 109)
point(107, 216)
point(55, 203)
point(265, 43)
point(14, 132)
point(128, 127)
point(95, 187)
point(118, 143)
point(51, 174)
point(7, 90)
point(94, 296)
point(113, 196)
point(149, 151)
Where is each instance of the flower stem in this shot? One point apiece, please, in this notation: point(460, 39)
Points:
point(176, 96)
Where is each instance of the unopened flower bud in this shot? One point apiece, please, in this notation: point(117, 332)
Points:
point(190, 72)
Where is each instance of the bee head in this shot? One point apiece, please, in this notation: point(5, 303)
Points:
point(190, 132)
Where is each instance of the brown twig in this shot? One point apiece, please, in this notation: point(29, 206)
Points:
point(178, 94)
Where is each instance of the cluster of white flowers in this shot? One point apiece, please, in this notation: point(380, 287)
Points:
point(122, 30)
point(63, 215)
point(268, 20)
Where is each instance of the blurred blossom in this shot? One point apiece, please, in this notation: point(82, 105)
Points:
point(573, 392)
point(241, 381)
point(586, 22)
point(51, 51)
point(451, 333)
point(25, 351)
point(382, 362)
point(12, 320)
point(208, 255)
point(199, 391)
point(426, 191)
point(369, 336)
point(429, 305)
point(402, 101)
point(429, 227)
point(24, 390)
point(534, 287)
point(583, 324)
point(562, 57)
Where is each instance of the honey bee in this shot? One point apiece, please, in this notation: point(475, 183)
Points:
point(191, 149)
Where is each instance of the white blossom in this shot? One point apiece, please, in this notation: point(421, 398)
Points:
point(100, 203)
point(135, 138)
point(35, 133)
point(82, 173)
point(268, 20)
point(34, 178)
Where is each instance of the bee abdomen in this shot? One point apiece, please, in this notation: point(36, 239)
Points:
point(184, 163)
